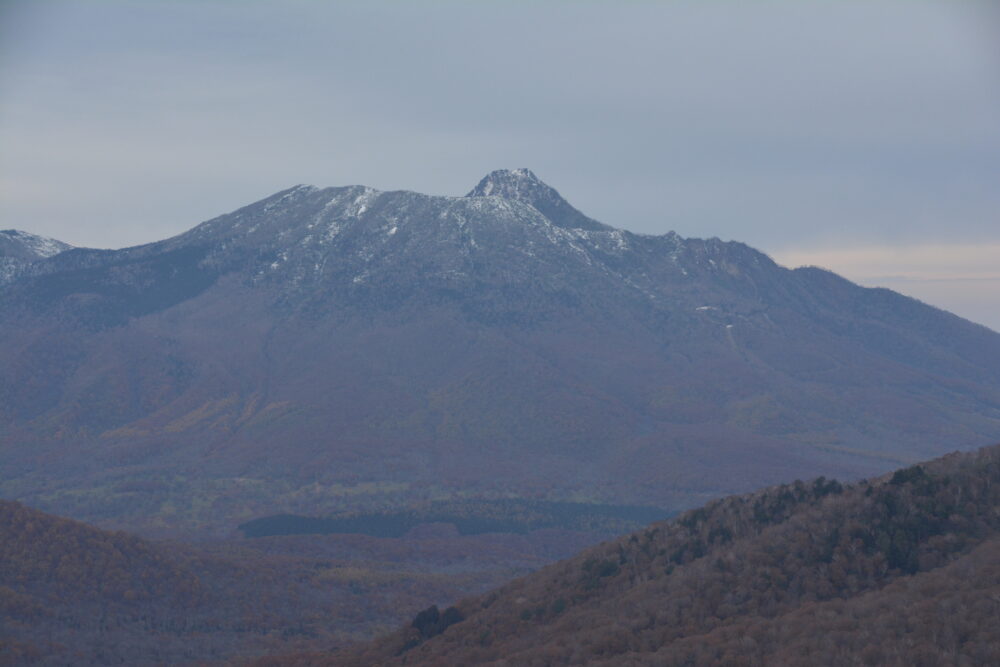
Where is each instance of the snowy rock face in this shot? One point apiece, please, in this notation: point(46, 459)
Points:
point(523, 185)
point(19, 249)
point(22, 245)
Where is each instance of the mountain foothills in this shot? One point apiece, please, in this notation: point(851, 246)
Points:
point(345, 347)
point(900, 570)
point(71, 594)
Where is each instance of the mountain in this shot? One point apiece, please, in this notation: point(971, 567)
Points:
point(19, 249)
point(346, 348)
point(901, 570)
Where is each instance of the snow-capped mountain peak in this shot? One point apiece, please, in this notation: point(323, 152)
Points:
point(511, 183)
point(522, 185)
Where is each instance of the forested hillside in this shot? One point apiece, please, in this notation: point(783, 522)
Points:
point(73, 594)
point(468, 516)
point(899, 570)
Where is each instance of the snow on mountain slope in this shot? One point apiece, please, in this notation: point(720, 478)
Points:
point(18, 249)
point(22, 245)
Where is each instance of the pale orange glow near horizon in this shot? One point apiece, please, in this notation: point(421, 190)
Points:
point(961, 278)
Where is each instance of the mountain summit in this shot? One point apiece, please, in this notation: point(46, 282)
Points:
point(523, 185)
point(325, 338)
point(513, 184)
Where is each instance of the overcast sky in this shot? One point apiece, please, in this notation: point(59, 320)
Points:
point(862, 136)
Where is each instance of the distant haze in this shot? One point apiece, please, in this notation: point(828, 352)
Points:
point(962, 278)
point(860, 136)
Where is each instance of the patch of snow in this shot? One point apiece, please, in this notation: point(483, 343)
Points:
point(331, 231)
point(42, 246)
point(294, 192)
point(282, 258)
point(46, 247)
point(361, 202)
point(8, 269)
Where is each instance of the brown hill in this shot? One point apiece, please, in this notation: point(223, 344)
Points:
point(73, 594)
point(901, 570)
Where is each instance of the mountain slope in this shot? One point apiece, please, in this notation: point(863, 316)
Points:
point(19, 249)
point(30, 247)
point(322, 341)
point(899, 570)
point(71, 593)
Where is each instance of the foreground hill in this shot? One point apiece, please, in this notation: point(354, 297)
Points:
point(71, 594)
point(902, 570)
point(326, 349)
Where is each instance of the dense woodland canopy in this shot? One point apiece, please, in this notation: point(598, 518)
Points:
point(73, 594)
point(469, 516)
point(900, 570)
